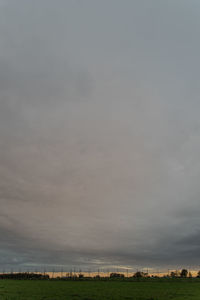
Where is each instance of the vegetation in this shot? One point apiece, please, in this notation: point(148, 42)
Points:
point(184, 273)
point(24, 276)
point(117, 289)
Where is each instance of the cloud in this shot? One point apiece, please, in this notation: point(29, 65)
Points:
point(99, 135)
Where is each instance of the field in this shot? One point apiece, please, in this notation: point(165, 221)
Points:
point(160, 289)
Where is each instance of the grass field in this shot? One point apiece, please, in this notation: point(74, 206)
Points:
point(87, 290)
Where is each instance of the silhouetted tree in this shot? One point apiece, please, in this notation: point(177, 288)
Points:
point(198, 274)
point(140, 274)
point(23, 276)
point(116, 275)
point(184, 273)
point(174, 274)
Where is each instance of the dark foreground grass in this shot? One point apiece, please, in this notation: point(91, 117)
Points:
point(89, 290)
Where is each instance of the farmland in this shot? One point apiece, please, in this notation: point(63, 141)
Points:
point(158, 289)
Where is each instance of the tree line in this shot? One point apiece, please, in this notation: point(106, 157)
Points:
point(184, 273)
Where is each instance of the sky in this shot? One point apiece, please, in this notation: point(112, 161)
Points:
point(99, 133)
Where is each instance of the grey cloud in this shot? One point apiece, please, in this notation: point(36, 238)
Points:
point(99, 133)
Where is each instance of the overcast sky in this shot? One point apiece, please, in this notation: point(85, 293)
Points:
point(99, 133)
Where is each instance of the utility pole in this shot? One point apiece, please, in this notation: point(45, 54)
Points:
point(61, 272)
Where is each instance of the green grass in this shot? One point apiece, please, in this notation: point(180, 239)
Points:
point(88, 290)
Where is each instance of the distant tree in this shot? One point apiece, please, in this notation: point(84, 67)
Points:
point(23, 276)
point(140, 274)
point(184, 273)
point(190, 275)
point(174, 274)
point(116, 275)
point(198, 274)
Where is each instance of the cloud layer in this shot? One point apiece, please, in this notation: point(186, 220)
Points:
point(99, 133)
